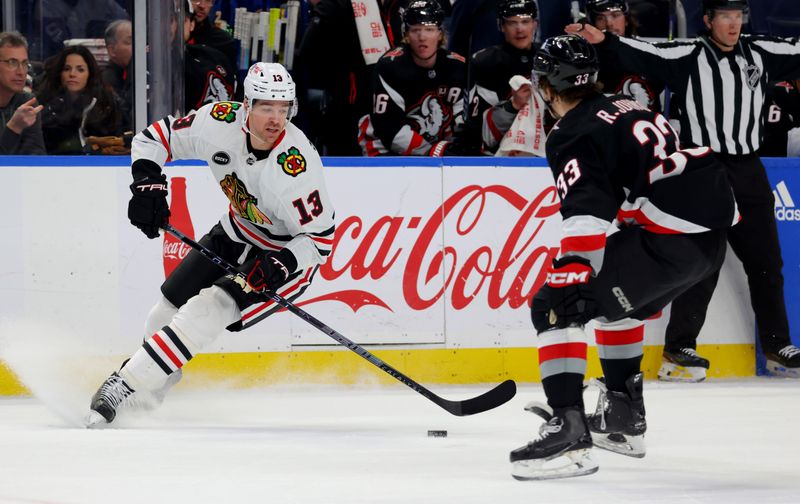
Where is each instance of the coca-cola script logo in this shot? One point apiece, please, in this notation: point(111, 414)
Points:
point(176, 250)
point(505, 273)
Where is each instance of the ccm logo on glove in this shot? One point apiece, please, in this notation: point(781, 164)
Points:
point(569, 274)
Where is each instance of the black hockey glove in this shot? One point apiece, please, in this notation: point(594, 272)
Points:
point(566, 299)
point(269, 270)
point(148, 209)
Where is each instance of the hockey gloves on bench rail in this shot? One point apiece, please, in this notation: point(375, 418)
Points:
point(269, 270)
point(566, 299)
point(148, 209)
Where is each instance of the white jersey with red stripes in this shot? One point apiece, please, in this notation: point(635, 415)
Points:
point(277, 200)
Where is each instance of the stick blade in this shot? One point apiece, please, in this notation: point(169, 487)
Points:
point(491, 399)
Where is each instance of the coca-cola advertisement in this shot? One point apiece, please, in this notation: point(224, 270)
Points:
point(426, 255)
point(174, 249)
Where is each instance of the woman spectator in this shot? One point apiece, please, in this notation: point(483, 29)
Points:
point(77, 103)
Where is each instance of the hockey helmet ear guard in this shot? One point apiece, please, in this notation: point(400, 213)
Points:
point(566, 61)
point(269, 81)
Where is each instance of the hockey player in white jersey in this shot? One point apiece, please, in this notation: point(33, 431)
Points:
point(278, 228)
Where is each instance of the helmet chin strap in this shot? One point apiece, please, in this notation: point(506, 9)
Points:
point(546, 103)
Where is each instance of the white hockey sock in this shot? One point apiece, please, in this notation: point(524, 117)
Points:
point(160, 315)
point(196, 324)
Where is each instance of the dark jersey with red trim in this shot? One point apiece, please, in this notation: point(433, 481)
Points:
point(277, 199)
point(210, 77)
point(491, 69)
point(616, 162)
point(782, 114)
point(643, 90)
point(414, 108)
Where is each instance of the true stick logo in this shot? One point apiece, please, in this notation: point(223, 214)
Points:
point(784, 204)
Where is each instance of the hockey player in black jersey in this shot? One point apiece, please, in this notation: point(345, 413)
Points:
point(493, 105)
point(719, 80)
point(417, 90)
point(615, 17)
point(617, 167)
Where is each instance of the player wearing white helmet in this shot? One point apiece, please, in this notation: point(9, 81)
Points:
point(278, 227)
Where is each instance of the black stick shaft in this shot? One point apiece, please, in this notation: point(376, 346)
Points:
point(486, 401)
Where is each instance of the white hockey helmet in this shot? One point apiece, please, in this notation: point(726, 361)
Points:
point(269, 81)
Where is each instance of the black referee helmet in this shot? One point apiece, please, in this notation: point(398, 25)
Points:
point(709, 6)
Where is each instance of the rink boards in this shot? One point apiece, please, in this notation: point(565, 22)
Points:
point(433, 264)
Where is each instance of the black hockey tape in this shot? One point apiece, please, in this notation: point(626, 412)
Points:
point(437, 433)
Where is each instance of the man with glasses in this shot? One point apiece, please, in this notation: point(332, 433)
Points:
point(207, 34)
point(20, 126)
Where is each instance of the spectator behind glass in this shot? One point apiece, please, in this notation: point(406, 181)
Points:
point(209, 76)
point(77, 103)
point(117, 74)
point(20, 126)
point(69, 19)
point(206, 33)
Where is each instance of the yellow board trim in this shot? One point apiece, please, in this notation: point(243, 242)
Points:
point(441, 365)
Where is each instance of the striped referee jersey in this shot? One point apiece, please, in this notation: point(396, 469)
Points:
point(721, 94)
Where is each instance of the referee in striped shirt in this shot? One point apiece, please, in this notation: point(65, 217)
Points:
point(720, 81)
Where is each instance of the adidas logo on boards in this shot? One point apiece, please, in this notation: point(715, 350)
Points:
point(784, 204)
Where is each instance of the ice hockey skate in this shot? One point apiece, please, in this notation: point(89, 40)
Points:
point(563, 449)
point(683, 365)
point(618, 424)
point(783, 361)
point(109, 397)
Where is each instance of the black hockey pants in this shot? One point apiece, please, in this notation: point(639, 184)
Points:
point(755, 242)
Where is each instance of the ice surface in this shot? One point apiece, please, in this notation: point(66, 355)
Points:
point(720, 442)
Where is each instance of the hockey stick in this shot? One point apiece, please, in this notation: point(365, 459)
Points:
point(488, 400)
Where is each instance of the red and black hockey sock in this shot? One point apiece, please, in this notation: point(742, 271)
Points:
point(620, 349)
point(562, 364)
point(167, 350)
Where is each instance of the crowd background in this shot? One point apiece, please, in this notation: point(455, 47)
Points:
point(334, 82)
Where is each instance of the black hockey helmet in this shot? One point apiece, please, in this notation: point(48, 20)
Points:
point(566, 61)
point(423, 12)
point(511, 8)
point(711, 5)
point(595, 7)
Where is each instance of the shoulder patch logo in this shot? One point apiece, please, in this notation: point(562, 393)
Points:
point(292, 162)
point(241, 200)
point(225, 111)
point(221, 158)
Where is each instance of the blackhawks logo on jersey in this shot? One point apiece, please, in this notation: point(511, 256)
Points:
point(292, 162)
point(225, 111)
point(242, 201)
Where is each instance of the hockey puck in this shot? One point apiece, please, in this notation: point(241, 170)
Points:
point(437, 433)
